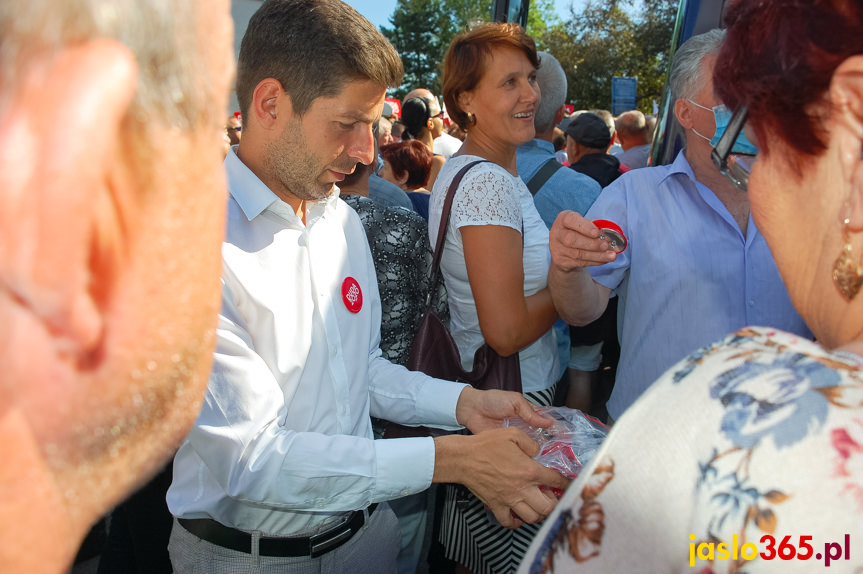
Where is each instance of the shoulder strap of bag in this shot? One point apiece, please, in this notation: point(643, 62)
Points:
point(444, 225)
point(547, 170)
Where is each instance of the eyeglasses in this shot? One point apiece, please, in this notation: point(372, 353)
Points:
point(734, 165)
point(236, 129)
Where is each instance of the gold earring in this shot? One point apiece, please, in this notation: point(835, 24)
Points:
point(847, 273)
point(471, 119)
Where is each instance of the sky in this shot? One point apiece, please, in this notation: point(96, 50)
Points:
point(379, 11)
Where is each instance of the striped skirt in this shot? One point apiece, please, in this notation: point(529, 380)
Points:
point(470, 533)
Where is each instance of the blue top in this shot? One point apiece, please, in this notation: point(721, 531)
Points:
point(388, 194)
point(688, 278)
point(566, 189)
point(420, 201)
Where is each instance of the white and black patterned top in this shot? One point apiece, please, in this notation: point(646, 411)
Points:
point(398, 239)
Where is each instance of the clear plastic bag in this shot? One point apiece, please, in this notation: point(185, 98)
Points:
point(567, 445)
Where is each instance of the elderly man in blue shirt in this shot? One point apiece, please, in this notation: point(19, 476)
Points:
point(696, 267)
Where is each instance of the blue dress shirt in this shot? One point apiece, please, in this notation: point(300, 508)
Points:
point(566, 189)
point(688, 277)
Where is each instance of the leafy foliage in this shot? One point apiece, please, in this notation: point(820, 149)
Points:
point(614, 38)
point(606, 38)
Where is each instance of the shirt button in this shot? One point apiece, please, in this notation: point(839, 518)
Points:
point(752, 302)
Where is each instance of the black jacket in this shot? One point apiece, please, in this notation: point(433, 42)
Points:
point(602, 167)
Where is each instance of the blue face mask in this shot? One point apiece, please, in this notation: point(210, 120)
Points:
point(722, 116)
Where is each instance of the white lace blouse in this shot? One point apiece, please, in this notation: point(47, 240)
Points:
point(489, 195)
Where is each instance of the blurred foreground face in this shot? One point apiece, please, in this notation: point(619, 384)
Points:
point(110, 232)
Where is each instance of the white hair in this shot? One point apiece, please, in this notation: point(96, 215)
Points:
point(552, 84)
point(686, 77)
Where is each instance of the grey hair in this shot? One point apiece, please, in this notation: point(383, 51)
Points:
point(686, 77)
point(631, 123)
point(606, 116)
point(173, 88)
point(552, 85)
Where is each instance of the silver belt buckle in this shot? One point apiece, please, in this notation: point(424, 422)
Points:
point(322, 543)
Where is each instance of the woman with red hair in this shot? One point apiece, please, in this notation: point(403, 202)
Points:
point(495, 257)
point(748, 455)
point(408, 165)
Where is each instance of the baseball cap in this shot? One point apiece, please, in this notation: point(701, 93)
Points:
point(589, 130)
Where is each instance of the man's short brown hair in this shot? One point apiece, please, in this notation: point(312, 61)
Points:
point(313, 48)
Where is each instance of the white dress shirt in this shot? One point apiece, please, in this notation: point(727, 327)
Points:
point(283, 443)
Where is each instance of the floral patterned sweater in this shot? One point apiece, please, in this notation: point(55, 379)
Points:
point(747, 456)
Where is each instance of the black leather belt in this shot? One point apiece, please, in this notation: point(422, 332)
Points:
point(241, 541)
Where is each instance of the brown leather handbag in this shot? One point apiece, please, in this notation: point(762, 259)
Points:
point(435, 353)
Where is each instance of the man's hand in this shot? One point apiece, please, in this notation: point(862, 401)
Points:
point(484, 410)
point(574, 243)
point(497, 467)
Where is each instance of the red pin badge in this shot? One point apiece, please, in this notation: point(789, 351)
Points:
point(352, 295)
point(611, 232)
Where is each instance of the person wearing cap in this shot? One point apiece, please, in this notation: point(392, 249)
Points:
point(280, 472)
point(696, 267)
point(587, 142)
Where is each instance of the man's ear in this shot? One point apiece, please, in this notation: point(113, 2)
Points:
point(683, 113)
point(269, 103)
point(58, 148)
point(846, 100)
point(559, 115)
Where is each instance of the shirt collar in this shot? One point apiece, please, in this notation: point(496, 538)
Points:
point(539, 144)
point(681, 166)
point(254, 197)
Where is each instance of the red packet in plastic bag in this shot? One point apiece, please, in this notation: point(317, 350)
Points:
point(567, 445)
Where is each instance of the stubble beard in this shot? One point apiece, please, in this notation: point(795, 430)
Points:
point(293, 164)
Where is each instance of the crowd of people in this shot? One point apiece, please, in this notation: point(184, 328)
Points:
point(222, 373)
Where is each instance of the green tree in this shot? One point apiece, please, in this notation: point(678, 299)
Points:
point(606, 38)
point(421, 31)
point(614, 38)
point(415, 33)
point(541, 20)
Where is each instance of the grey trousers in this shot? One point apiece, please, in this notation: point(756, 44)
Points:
point(372, 550)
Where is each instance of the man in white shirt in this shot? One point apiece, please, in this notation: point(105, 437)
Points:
point(280, 470)
point(110, 237)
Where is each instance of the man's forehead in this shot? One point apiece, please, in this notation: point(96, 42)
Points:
point(358, 100)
